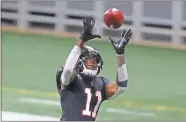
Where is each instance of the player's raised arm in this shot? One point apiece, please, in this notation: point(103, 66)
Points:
point(114, 89)
point(68, 71)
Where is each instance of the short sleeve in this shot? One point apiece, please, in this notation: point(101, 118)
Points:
point(105, 80)
point(58, 77)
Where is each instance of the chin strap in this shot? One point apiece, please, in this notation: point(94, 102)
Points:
point(89, 72)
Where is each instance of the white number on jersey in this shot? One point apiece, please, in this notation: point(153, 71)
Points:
point(87, 111)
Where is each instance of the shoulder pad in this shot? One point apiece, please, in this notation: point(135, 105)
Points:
point(60, 68)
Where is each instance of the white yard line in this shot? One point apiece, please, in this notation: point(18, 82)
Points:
point(110, 110)
point(124, 111)
point(15, 116)
point(40, 101)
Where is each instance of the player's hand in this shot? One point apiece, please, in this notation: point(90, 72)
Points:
point(88, 24)
point(119, 46)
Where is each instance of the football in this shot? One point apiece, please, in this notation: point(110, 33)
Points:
point(113, 18)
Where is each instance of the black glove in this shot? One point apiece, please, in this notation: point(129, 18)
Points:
point(88, 24)
point(119, 46)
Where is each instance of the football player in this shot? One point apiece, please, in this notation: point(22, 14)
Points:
point(80, 88)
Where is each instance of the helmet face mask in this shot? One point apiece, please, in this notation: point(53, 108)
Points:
point(90, 62)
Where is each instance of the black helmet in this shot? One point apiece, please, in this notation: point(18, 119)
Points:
point(88, 52)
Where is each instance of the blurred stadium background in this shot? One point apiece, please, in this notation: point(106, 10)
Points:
point(37, 36)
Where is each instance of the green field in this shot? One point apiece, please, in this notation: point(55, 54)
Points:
point(157, 77)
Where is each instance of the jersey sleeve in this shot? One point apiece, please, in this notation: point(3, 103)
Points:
point(105, 81)
point(58, 77)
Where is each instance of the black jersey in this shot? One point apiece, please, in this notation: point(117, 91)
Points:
point(80, 100)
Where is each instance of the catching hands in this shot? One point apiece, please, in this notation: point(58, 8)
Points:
point(88, 24)
point(119, 46)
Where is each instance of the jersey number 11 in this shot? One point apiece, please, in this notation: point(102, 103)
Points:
point(87, 111)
